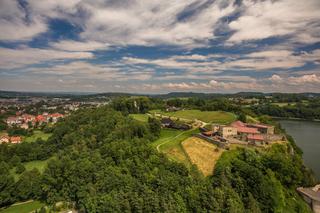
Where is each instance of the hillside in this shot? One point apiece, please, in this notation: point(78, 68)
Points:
point(104, 162)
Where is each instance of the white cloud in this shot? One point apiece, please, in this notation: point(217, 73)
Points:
point(16, 58)
point(14, 24)
point(84, 70)
point(304, 79)
point(263, 19)
point(140, 22)
point(70, 45)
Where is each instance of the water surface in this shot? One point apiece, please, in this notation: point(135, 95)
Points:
point(307, 136)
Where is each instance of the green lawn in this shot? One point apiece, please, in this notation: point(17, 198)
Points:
point(169, 143)
point(23, 207)
point(40, 165)
point(205, 116)
point(140, 117)
point(37, 134)
point(165, 134)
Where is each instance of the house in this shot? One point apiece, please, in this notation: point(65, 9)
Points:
point(13, 121)
point(15, 139)
point(166, 122)
point(256, 139)
point(242, 128)
point(55, 117)
point(24, 126)
point(172, 109)
point(4, 139)
point(41, 118)
point(28, 118)
point(263, 128)
point(312, 196)
point(227, 131)
point(208, 133)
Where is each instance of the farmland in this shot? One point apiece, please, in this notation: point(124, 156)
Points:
point(205, 116)
point(201, 153)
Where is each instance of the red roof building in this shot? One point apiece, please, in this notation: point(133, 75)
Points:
point(208, 133)
point(255, 137)
point(15, 139)
point(237, 124)
point(247, 130)
point(40, 118)
point(4, 139)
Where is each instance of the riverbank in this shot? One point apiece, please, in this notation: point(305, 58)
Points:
point(295, 119)
point(306, 135)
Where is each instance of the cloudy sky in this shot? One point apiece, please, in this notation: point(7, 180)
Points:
point(160, 46)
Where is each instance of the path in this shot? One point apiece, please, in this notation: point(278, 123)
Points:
point(17, 204)
point(168, 140)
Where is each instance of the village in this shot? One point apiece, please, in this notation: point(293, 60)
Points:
point(27, 116)
point(26, 122)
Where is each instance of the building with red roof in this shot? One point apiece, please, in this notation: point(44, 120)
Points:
point(40, 118)
point(247, 130)
point(238, 124)
point(4, 139)
point(15, 139)
point(263, 128)
point(55, 116)
point(257, 139)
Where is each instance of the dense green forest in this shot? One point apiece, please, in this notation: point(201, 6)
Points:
point(101, 161)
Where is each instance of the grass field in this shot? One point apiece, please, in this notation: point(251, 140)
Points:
point(37, 134)
point(23, 207)
point(169, 143)
point(202, 153)
point(205, 116)
point(140, 117)
point(40, 165)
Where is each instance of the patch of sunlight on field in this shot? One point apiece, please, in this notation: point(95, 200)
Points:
point(202, 153)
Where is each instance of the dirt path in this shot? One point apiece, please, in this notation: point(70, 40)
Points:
point(168, 140)
point(17, 204)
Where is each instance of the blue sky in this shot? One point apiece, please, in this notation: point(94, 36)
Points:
point(163, 46)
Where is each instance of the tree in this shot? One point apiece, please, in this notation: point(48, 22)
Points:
point(154, 126)
point(242, 117)
point(20, 168)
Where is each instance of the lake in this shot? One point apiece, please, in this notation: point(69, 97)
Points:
point(307, 136)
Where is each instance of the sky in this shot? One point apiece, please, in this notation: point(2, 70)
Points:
point(144, 46)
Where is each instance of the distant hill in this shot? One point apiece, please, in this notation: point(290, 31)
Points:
point(12, 94)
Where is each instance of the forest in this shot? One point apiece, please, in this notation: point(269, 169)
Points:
point(101, 161)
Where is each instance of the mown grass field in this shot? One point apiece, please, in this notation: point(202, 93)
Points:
point(205, 116)
point(37, 134)
point(140, 117)
point(23, 207)
point(40, 165)
point(169, 143)
point(202, 154)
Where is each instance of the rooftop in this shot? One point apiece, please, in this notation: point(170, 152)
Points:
point(312, 192)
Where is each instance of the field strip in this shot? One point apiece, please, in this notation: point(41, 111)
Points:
point(168, 140)
point(17, 204)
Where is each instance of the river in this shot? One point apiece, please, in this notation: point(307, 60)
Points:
point(307, 136)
